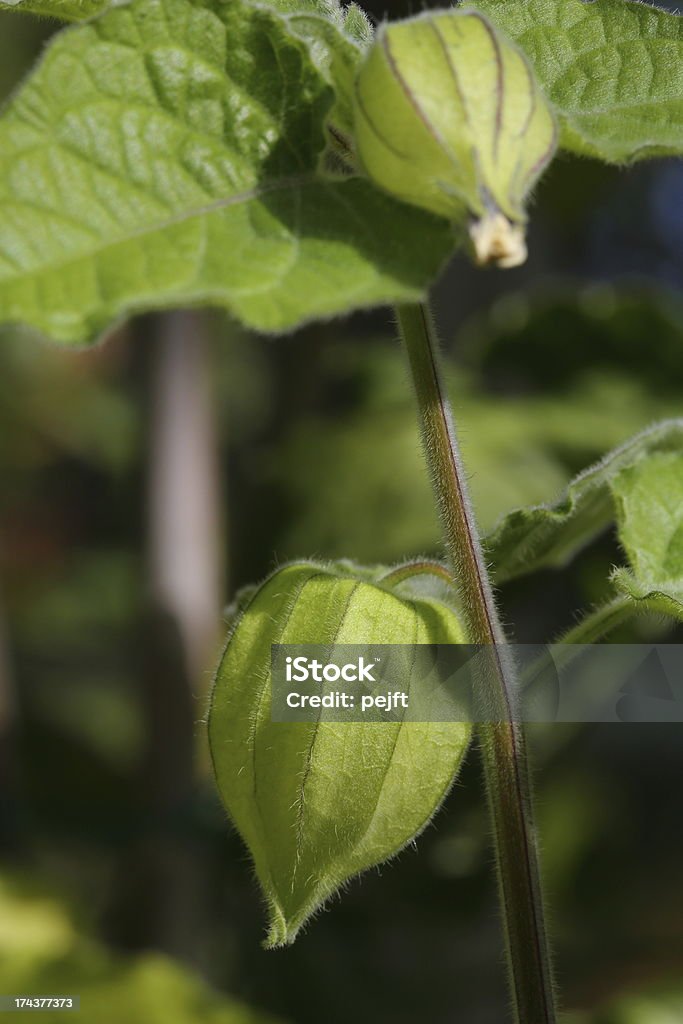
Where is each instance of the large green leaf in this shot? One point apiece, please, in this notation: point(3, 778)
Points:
point(549, 535)
point(80, 10)
point(319, 801)
point(167, 153)
point(613, 69)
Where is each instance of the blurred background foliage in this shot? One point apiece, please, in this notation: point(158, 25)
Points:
point(43, 951)
point(119, 876)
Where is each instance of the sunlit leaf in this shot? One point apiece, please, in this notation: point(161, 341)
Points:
point(649, 511)
point(167, 153)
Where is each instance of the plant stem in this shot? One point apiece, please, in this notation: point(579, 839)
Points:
point(598, 623)
point(571, 644)
point(502, 741)
point(424, 567)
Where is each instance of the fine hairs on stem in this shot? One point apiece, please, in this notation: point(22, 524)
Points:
point(502, 743)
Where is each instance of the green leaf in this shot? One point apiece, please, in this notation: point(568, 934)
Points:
point(645, 494)
point(352, 19)
point(649, 510)
point(549, 535)
point(167, 153)
point(357, 24)
point(65, 10)
point(336, 39)
point(318, 802)
point(649, 504)
point(664, 598)
point(613, 69)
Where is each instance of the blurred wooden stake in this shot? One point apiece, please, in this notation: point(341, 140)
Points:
point(159, 896)
point(8, 739)
point(185, 525)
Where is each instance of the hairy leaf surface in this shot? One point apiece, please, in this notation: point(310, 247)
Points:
point(352, 17)
point(167, 153)
point(649, 510)
point(613, 69)
point(65, 10)
point(318, 802)
point(549, 535)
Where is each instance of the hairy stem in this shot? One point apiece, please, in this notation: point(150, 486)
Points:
point(599, 622)
point(425, 567)
point(502, 741)
point(571, 644)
